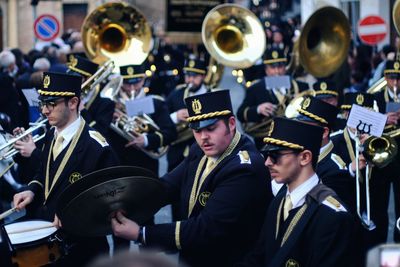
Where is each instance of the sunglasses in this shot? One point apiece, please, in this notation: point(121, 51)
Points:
point(274, 156)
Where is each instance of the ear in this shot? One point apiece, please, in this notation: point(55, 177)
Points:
point(232, 123)
point(305, 157)
point(73, 103)
point(326, 133)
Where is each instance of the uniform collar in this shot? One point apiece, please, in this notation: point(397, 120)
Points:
point(69, 131)
point(298, 195)
point(391, 94)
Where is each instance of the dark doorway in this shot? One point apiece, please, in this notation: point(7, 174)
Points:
point(74, 15)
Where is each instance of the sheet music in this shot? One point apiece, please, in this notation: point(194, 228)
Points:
point(144, 105)
point(366, 121)
point(32, 96)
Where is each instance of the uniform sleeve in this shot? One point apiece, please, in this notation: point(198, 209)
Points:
point(229, 203)
point(332, 241)
point(247, 111)
point(100, 117)
point(167, 132)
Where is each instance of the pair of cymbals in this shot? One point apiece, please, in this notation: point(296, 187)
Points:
point(86, 207)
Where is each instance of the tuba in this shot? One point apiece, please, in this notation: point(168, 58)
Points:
point(117, 34)
point(116, 31)
point(233, 36)
point(324, 41)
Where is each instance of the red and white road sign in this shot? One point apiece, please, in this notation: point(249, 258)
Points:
point(46, 27)
point(372, 29)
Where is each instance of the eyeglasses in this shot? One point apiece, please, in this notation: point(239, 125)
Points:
point(50, 105)
point(274, 156)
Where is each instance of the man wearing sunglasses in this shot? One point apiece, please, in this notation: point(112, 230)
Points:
point(71, 150)
point(306, 225)
point(222, 187)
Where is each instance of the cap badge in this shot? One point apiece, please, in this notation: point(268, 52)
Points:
point(196, 106)
point(192, 63)
point(274, 54)
point(396, 65)
point(360, 99)
point(271, 128)
point(323, 86)
point(130, 70)
point(46, 81)
point(306, 103)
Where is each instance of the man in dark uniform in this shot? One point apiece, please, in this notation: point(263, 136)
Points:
point(383, 178)
point(223, 188)
point(96, 110)
point(306, 224)
point(331, 169)
point(344, 142)
point(326, 91)
point(71, 150)
point(262, 103)
point(143, 148)
point(195, 70)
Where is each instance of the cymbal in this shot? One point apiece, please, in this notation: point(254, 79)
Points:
point(86, 207)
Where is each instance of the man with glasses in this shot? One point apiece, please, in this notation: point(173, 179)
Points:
point(222, 186)
point(71, 150)
point(306, 225)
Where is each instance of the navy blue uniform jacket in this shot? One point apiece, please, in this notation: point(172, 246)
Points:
point(227, 216)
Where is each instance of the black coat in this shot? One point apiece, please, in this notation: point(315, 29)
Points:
point(89, 155)
point(322, 236)
point(99, 115)
point(333, 173)
point(177, 152)
point(226, 218)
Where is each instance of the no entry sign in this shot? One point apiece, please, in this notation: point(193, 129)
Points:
point(372, 30)
point(46, 27)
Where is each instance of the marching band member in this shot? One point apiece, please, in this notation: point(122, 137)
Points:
point(131, 152)
point(223, 188)
point(306, 224)
point(95, 110)
point(71, 150)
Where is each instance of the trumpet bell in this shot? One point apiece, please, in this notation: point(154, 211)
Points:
point(117, 31)
point(233, 35)
point(324, 41)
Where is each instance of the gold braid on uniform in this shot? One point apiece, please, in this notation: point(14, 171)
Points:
point(209, 115)
point(56, 93)
point(312, 116)
point(282, 143)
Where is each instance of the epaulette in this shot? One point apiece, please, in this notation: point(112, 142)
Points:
point(252, 83)
point(334, 204)
point(326, 196)
point(158, 97)
point(339, 161)
point(98, 137)
point(244, 157)
point(336, 133)
point(181, 86)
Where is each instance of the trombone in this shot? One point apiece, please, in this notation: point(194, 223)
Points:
point(379, 152)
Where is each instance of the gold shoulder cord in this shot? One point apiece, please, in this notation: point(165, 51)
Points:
point(63, 162)
point(196, 184)
point(326, 152)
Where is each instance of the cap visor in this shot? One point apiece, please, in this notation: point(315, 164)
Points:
point(197, 125)
point(46, 98)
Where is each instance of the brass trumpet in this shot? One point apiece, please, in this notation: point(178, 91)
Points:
point(7, 150)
